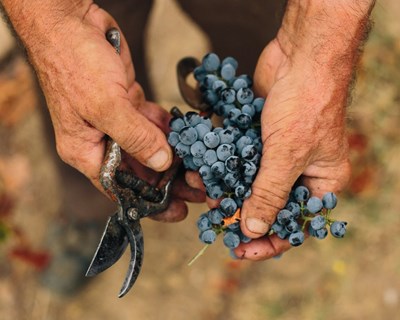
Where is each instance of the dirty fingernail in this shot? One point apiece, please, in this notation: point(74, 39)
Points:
point(158, 160)
point(257, 226)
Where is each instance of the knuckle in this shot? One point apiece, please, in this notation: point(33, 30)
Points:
point(139, 141)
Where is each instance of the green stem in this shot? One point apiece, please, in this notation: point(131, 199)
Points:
point(201, 252)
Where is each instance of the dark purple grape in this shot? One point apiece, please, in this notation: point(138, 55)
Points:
point(228, 206)
point(231, 240)
point(297, 238)
point(188, 135)
point(314, 205)
point(301, 194)
point(232, 164)
point(338, 229)
point(329, 200)
point(208, 236)
point(318, 222)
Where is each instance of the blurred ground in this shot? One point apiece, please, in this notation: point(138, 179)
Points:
point(357, 277)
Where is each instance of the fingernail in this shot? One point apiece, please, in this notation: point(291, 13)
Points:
point(158, 160)
point(257, 226)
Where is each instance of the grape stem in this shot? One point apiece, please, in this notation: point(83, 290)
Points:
point(198, 255)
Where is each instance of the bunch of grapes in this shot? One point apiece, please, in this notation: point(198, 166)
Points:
point(228, 157)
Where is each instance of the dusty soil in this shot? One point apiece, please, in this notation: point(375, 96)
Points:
point(357, 277)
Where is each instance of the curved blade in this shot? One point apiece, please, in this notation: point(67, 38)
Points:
point(111, 247)
point(192, 96)
point(135, 236)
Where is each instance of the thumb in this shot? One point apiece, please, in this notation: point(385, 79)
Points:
point(270, 190)
point(136, 134)
point(143, 140)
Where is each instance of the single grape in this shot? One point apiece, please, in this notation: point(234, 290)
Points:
point(203, 223)
point(318, 222)
point(226, 136)
point(210, 157)
point(243, 121)
point(211, 140)
point(249, 152)
point(329, 200)
point(208, 236)
point(192, 118)
point(301, 194)
point(182, 150)
point(173, 138)
point(214, 190)
point(224, 151)
point(228, 95)
point(245, 95)
point(215, 216)
point(218, 85)
point(176, 124)
point(321, 233)
point(228, 72)
point(249, 109)
point(202, 129)
point(231, 240)
point(258, 104)
point(284, 216)
point(249, 168)
point(232, 164)
point(230, 179)
point(188, 135)
point(314, 205)
point(338, 229)
point(198, 149)
point(199, 73)
point(297, 238)
point(292, 226)
point(205, 173)
point(242, 191)
point(239, 84)
point(295, 208)
point(228, 206)
point(218, 169)
point(211, 62)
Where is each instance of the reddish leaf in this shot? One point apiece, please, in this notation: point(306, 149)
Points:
point(38, 259)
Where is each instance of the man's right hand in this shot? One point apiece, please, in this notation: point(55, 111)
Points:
point(90, 90)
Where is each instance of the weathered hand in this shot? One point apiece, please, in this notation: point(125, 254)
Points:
point(304, 136)
point(305, 73)
point(91, 93)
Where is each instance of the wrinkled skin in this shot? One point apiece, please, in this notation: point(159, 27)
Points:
point(303, 121)
point(305, 73)
point(91, 92)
